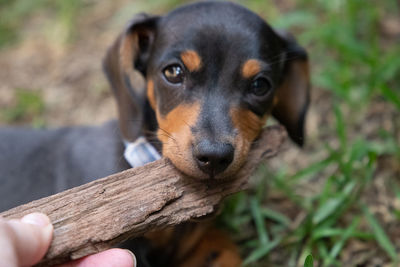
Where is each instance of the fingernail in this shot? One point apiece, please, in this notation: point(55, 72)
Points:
point(36, 218)
point(133, 257)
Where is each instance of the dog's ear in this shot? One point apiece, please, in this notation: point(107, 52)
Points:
point(293, 94)
point(125, 67)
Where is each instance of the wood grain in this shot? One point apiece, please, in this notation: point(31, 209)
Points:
point(98, 215)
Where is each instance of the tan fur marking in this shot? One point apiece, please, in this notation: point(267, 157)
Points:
point(250, 68)
point(175, 134)
point(249, 126)
point(191, 59)
point(248, 123)
point(150, 94)
point(214, 242)
point(179, 118)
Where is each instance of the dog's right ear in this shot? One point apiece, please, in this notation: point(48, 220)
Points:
point(293, 95)
point(125, 66)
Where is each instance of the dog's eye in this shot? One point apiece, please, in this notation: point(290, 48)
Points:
point(174, 74)
point(260, 87)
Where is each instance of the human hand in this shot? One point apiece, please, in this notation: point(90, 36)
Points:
point(24, 242)
point(114, 257)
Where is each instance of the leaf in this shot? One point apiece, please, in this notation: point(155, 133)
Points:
point(309, 262)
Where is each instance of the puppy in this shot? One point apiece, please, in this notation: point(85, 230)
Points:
point(196, 86)
point(205, 78)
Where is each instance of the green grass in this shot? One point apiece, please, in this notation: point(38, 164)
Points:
point(353, 66)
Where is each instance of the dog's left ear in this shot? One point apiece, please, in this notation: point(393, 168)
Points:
point(293, 95)
point(125, 66)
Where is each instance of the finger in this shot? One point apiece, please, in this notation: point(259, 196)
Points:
point(115, 257)
point(27, 240)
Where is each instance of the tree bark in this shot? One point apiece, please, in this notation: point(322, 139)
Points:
point(98, 215)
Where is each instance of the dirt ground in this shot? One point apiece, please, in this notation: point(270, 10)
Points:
point(66, 74)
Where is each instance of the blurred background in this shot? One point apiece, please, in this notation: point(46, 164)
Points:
point(337, 199)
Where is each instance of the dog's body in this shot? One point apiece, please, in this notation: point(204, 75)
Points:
point(38, 163)
point(200, 82)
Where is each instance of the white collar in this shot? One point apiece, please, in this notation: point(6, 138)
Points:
point(140, 152)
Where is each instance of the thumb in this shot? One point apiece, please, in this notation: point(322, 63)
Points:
point(29, 239)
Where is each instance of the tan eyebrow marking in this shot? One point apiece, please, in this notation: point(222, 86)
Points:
point(191, 59)
point(250, 68)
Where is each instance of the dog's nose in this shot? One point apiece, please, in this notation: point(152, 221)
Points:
point(213, 157)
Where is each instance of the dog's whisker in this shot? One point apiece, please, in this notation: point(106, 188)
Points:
point(276, 56)
point(167, 134)
point(165, 131)
point(186, 123)
point(288, 59)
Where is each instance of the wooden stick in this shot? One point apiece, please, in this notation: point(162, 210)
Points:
point(98, 215)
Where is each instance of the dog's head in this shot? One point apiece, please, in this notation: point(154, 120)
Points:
point(212, 73)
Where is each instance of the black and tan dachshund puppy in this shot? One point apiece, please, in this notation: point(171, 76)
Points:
point(205, 77)
point(201, 82)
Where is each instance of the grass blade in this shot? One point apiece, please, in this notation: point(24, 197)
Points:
point(259, 221)
point(380, 235)
point(275, 216)
point(332, 205)
point(346, 235)
point(261, 251)
point(312, 169)
point(391, 95)
point(341, 128)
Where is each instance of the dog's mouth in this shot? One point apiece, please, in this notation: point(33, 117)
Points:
point(191, 169)
point(205, 159)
